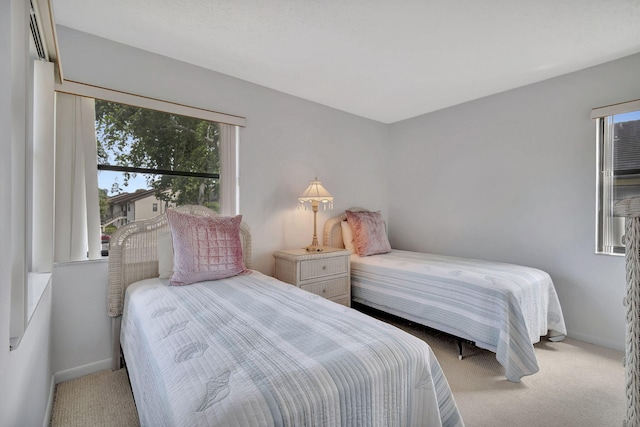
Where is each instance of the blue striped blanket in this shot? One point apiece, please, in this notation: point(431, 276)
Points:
point(253, 351)
point(503, 308)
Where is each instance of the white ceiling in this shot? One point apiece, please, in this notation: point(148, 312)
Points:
point(384, 60)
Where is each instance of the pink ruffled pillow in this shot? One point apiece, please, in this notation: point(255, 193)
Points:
point(369, 233)
point(205, 248)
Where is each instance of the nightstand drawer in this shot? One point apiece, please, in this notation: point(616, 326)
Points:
point(330, 288)
point(313, 268)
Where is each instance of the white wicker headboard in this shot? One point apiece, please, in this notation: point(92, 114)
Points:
point(333, 229)
point(133, 252)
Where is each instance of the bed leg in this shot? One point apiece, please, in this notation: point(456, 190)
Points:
point(115, 342)
point(459, 349)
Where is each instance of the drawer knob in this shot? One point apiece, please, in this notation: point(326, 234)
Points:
point(324, 267)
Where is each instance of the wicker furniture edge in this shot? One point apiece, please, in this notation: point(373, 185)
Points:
point(133, 253)
point(333, 229)
point(630, 209)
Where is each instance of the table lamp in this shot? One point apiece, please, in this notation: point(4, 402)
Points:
point(314, 195)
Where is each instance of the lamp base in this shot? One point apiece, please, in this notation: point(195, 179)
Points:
point(314, 246)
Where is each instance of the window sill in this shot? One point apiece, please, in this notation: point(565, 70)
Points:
point(37, 283)
point(102, 259)
point(611, 253)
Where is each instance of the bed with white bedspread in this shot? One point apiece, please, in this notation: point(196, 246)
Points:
point(251, 350)
point(504, 308)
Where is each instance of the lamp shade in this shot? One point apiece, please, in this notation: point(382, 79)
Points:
point(315, 192)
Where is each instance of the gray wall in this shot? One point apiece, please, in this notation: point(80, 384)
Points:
point(26, 387)
point(81, 329)
point(26, 381)
point(511, 177)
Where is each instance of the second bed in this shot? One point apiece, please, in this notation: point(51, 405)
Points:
point(504, 308)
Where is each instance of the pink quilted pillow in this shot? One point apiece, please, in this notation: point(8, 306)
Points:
point(205, 248)
point(369, 233)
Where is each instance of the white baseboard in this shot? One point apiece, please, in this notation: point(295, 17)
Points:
point(80, 371)
point(594, 340)
point(49, 412)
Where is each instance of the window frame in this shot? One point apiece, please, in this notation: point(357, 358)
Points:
point(229, 142)
point(604, 173)
point(163, 172)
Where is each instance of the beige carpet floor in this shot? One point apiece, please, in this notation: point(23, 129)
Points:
point(100, 399)
point(578, 385)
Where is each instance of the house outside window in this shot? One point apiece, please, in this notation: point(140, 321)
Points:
point(618, 157)
point(155, 207)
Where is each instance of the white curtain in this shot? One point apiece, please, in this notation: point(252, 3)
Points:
point(43, 167)
point(229, 197)
point(77, 212)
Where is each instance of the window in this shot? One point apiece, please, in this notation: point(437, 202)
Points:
point(149, 155)
point(618, 157)
point(27, 172)
point(148, 158)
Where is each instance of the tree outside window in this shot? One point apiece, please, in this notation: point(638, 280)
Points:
point(152, 160)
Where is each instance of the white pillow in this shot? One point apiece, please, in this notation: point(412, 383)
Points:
point(347, 236)
point(165, 254)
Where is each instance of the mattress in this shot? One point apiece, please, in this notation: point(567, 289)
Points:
point(253, 351)
point(503, 308)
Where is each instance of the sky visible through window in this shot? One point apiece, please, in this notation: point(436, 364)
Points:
point(107, 178)
point(626, 117)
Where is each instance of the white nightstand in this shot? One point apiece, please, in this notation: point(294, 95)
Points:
point(326, 273)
